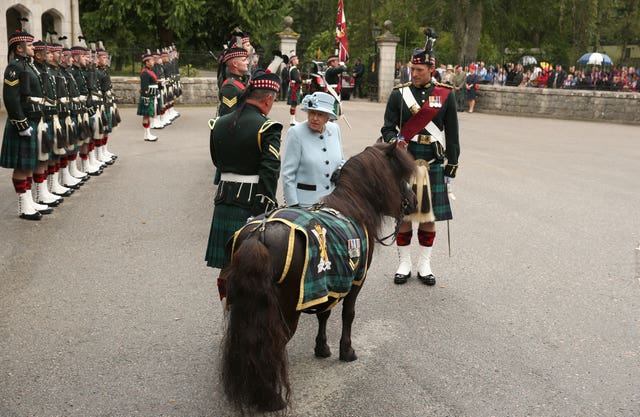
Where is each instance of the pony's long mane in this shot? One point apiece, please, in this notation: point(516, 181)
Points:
point(368, 187)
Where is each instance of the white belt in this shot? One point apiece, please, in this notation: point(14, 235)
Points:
point(82, 98)
point(96, 98)
point(37, 100)
point(153, 85)
point(231, 177)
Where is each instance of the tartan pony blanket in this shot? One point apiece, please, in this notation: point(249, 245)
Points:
point(336, 256)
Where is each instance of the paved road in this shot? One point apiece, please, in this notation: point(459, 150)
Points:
point(107, 308)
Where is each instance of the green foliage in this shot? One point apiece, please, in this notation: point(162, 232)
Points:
point(188, 70)
point(563, 29)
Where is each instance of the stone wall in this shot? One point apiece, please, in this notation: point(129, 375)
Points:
point(605, 106)
point(195, 91)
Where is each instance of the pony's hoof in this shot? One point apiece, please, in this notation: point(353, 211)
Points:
point(322, 351)
point(348, 356)
point(275, 405)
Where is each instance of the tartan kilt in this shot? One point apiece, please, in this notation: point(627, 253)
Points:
point(148, 109)
point(439, 194)
point(226, 220)
point(108, 128)
point(19, 152)
point(294, 95)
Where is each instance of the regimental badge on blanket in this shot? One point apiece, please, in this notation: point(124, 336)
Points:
point(321, 236)
point(354, 253)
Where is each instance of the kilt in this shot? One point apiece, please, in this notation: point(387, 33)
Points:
point(108, 127)
point(146, 109)
point(439, 194)
point(19, 152)
point(226, 220)
point(294, 95)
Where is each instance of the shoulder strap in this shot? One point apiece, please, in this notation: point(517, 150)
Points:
point(423, 116)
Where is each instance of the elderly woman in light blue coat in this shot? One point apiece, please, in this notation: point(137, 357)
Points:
point(313, 151)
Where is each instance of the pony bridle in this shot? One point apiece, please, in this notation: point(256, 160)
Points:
point(405, 209)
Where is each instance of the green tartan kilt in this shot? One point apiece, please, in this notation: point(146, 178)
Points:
point(107, 114)
point(439, 194)
point(226, 220)
point(146, 109)
point(294, 95)
point(19, 152)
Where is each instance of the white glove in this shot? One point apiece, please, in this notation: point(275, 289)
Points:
point(26, 132)
point(448, 180)
point(45, 126)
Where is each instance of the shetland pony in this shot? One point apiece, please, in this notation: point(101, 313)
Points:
point(269, 257)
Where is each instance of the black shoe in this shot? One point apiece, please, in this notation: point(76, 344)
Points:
point(55, 203)
point(427, 279)
point(96, 173)
point(65, 194)
point(35, 216)
point(48, 210)
point(400, 278)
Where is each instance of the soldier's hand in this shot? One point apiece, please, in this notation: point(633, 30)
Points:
point(26, 132)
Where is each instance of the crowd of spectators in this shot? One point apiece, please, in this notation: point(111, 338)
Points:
point(593, 77)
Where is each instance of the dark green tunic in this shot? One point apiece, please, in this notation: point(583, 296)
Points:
point(230, 92)
point(249, 145)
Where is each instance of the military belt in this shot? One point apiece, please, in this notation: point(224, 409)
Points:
point(247, 179)
point(422, 139)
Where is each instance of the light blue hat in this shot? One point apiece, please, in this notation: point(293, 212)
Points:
point(319, 101)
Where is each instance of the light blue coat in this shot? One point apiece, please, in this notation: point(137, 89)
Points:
point(309, 159)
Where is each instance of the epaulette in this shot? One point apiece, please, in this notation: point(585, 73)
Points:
point(212, 122)
point(265, 126)
point(402, 85)
point(442, 85)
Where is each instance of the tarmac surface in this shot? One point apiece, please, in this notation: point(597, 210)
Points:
point(107, 307)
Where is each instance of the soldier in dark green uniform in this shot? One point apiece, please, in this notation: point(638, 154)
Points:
point(63, 118)
point(80, 55)
point(159, 121)
point(107, 105)
point(245, 148)
point(73, 123)
point(294, 93)
point(333, 74)
point(22, 95)
point(46, 175)
point(236, 61)
point(148, 93)
point(422, 116)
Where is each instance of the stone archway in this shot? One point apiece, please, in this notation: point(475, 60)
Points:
point(51, 23)
point(13, 14)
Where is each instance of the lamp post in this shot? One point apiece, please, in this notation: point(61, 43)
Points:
point(372, 82)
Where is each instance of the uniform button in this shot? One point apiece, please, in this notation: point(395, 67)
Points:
point(324, 149)
point(326, 187)
point(326, 162)
point(326, 175)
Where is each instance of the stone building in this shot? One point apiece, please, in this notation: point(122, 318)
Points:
point(61, 16)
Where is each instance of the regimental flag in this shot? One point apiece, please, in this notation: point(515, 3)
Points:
point(341, 34)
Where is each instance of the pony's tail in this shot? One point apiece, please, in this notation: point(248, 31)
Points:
point(254, 359)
